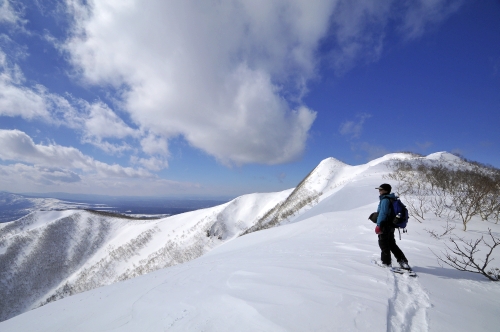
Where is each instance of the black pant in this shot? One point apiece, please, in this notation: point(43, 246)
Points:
point(387, 244)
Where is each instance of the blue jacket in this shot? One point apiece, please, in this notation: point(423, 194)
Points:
point(384, 209)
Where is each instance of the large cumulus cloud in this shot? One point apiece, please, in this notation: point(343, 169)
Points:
point(228, 75)
point(217, 72)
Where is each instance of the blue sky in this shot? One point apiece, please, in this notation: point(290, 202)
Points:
point(223, 98)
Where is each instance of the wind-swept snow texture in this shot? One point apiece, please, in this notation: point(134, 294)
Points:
point(312, 273)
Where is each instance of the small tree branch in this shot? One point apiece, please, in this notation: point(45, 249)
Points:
point(462, 256)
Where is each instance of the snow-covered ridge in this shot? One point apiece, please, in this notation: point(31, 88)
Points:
point(49, 255)
point(313, 273)
point(76, 251)
point(330, 176)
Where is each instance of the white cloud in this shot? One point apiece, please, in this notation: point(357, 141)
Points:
point(214, 72)
point(15, 99)
point(110, 148)
point(152, 163)
point(38, 175)
point(229, 75)
point(152, 144)
point(8, 14)
point(99, 123)
point(102, 122)
point(354, 128)
point(360, 27)
point(226, 75)
point(33, 178)
point(96, 121)
point(424, 13)
point(18, 146)
point(36, 102)
point(21, 101)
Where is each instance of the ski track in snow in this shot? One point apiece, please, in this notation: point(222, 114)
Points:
point(407, 308)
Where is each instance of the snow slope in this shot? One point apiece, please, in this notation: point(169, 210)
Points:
point(49, 255)
point(312, 273)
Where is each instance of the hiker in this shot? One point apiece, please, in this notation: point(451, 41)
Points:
point(385, 229)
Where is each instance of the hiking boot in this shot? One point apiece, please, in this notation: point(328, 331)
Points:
point(404, 265)
point(382, 264)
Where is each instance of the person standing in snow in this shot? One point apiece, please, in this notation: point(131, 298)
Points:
point(385, 229)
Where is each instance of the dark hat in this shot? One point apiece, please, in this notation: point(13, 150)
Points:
point(385, 186)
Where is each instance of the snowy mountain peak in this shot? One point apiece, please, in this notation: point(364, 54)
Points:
point(331, 162)
point(443, 156)
point(392, 156)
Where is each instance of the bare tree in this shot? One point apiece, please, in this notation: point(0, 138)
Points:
point(438, 179)
point(490, 207)
point(452, 190)
point(463, 255)
point(412, 186)
point(447, 230)
point(468, 191)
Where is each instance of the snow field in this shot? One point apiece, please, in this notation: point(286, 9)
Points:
point(311, 274)
point(77, 251)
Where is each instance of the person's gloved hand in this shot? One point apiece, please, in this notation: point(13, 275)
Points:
point(378, 230)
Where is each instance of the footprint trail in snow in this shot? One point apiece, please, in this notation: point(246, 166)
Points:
point(408, 306)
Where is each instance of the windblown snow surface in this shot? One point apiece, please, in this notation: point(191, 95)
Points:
point(311, 273)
